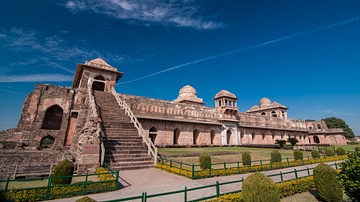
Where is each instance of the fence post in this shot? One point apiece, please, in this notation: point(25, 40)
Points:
point(261, 163)
point(217, 189)
point(308, 171)
point(192, 171)
point(143, 199)
point(296, 175)
point(287, 159)
point(270, 164)
point(185, 195)
point(170, 163)
point(336, 166)
point(48, 190)
point(210, 170)
point(224, 165)
point(6, 185)
point(85, 185)
point(238, 165)
point(117, 180)
point(180, 165)
point(281, 176)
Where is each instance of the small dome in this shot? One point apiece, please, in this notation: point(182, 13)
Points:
point(187, 90)
point(100, 62)
point(254, 107)
point(225, 93)
point(265, 101)
point(188, 94)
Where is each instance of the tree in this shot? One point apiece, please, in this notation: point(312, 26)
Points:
point(350, 175)
point(281, 143)
point(292, 141)
point(334, 122)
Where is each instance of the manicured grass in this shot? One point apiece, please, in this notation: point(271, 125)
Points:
point(256, 154)
point(349, 147)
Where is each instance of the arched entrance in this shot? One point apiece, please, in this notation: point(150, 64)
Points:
point(47, 142)
point(316, 139)
point(229, 140)
point(98, 83)
point(212, 137)
point(176, 136)
point(53, 118)
point(153, 134)
point(196, 136)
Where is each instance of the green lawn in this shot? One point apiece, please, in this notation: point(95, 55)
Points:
point(349, 147)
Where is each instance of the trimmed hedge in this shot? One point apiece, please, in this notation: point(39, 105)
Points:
point(340, 151)
point(106, 183)
point(298, 155)
point(287, 188)
point(64, 168)
point(357, 148)
point(315, 154)
point(276, 156)
point(205, 161)
point(327, 184)
point(257, 187)
point(246, 159)
point(187, 172)
point(329, 152)
point(85, 199)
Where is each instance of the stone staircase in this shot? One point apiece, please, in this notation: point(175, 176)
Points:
point(124, 148)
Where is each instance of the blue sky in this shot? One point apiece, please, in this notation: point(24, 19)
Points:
point(304, 54)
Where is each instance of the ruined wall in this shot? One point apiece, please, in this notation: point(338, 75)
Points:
point(34, 110)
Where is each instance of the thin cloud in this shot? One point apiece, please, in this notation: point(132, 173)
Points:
point(35, 78)
point(327, 111)
point(180, 13)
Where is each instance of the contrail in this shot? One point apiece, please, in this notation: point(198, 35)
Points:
point(285, 38)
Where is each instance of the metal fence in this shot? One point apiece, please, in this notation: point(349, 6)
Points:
point(214, 190)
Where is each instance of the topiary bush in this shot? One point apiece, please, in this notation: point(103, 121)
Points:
point(350, 175)
point(298, 155)
point(258, 188)
point(276, 156)
point(327, 183)
point(205, 161)
point(340, 151)
point(329, 152)
point(246, 159)
point(357, 148)
point(64, 168)
point(315, 154)
point(85, 199)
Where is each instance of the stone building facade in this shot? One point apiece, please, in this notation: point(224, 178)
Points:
point(55, 118)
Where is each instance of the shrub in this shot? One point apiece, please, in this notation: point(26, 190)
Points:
point(340, 151)
point(357, 148)
point(329, 152)
point(246, 159)
point(350, 175)
point(257, 188)
point(327, 184)
point(85, 199)
point(275, 156)
point(205, 161)
point(298, 155)
point(64, 168)
point(292, 141)
point(280, 142)
point(315, 154)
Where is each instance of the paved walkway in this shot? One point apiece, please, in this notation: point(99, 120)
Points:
point(154, 181)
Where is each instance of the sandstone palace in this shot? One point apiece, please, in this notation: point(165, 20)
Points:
point(90, 123)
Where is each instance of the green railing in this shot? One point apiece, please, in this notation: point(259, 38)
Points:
point(34, 189)
point(194, 171)
point(216, 188)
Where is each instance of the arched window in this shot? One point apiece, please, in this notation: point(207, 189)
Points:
point(212, 137)
point(53, 118)
point(176, 136)
point(263, 114)
point(318, 126)
point(98, 83)
point(229, 137)
point(273, 114)
point(273, 135)
point(153, 134)
point(253, 135)
point(196, 136)
point(316, 139)
point(47, 142)
point(263, 136)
